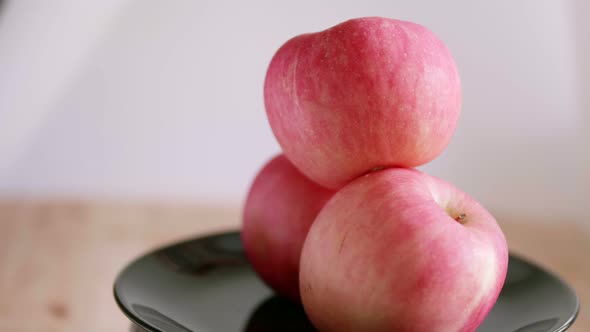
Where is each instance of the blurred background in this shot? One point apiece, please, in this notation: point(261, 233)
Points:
point(149, 115)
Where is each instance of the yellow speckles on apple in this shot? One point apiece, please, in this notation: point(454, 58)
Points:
point(386, 24)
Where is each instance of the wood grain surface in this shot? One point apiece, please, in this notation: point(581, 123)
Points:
point(58, 259)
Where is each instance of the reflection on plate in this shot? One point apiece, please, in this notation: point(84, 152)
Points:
point(206, 285)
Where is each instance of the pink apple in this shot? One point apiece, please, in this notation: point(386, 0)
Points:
point(365, 94)
point(399, 250)
point(280, 208)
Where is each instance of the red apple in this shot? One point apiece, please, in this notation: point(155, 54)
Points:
point(280, 208)
point(365, 94)
point(399, 250)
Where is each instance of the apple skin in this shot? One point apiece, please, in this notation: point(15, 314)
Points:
point(279, 209)
point(365, 94)
point(386, 254)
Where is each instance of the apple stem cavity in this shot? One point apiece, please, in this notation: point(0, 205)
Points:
point(460, 218)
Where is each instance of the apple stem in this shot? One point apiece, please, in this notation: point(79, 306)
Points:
point(460, 217)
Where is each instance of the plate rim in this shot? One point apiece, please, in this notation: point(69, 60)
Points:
point(149, 328)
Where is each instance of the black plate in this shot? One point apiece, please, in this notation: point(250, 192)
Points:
point(206, 285)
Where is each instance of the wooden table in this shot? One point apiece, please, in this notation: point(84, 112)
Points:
point(58, 259)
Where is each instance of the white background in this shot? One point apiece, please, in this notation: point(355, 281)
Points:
point(130, 99)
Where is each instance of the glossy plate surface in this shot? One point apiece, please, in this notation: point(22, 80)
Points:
point(206, 285)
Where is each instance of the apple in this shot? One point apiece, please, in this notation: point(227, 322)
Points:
point(366, 94)
point(400, 250)
point(279, 209)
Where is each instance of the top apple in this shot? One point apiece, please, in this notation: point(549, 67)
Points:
point(365, 94)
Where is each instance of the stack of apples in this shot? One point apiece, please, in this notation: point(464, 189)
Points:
point(341, 221)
